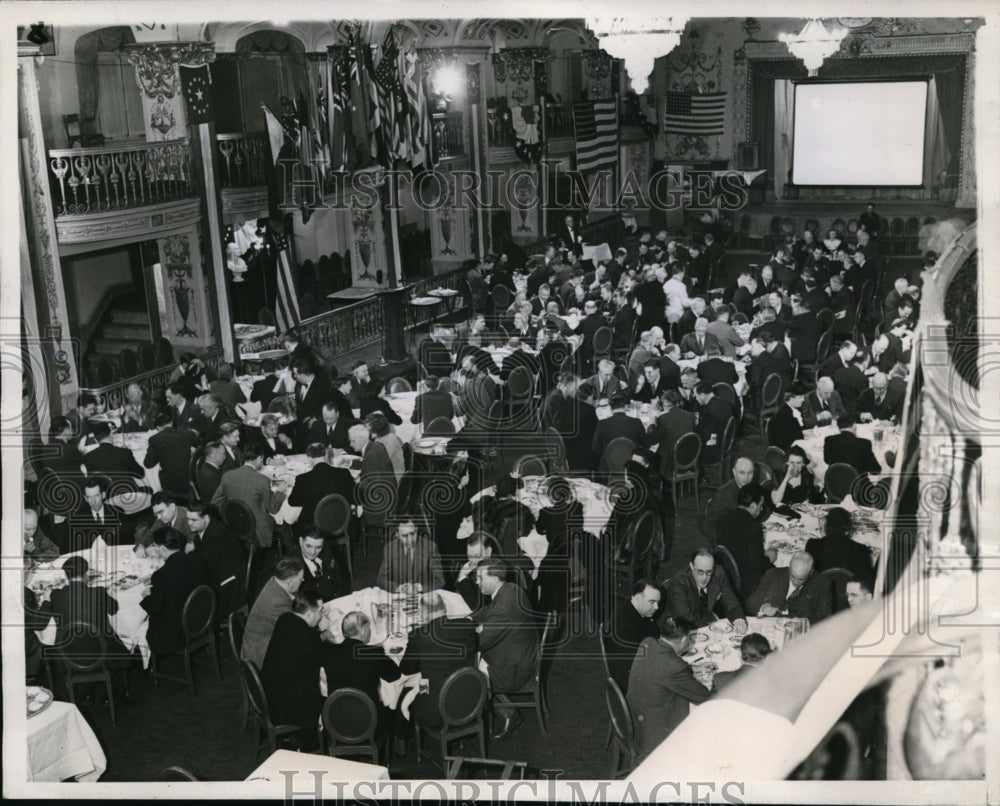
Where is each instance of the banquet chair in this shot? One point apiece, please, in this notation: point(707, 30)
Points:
point(198, 623)
point(349, 721)
point(767, 405)
point(530, 466)
point(519, 387)
point(267, 732)
point(717, 474)
point(461, 703)
point(439, 426)
point(282, 404)
point(728, 563)
point(603, 339)
point(176, 774)
point(164, 352)
point(83, 654)
point(617, 452)
point(839, 577)
point(145, 357)
point(687, 455)
point(838, 481)
point(397, 385)
point(333, 517)
point(776, 460)
point(808, 369)
point(644, 544)
point(555, 448)
point(128, 362)
point(622, 729)
point(500, 769)
point(532, 696)
point(237, 628)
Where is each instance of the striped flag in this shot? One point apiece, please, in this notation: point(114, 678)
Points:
point(376, 134)
point(338, 113)
point(411, 92)
point(390, 102)
point(286, 302)
point(596, 134)
point(695, 114)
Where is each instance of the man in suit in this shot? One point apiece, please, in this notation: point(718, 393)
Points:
point(740, 531)
point(323, 572)
point(570, 237)
point(559, 408)
point(840, 360)
point(362, 384)
point(138, 414)
point(852, 382)
point(508, 640)
point(669, 368)
point(78, 418)
point(878, 402)
point(310, 392)
point(168, 512)
point(715, 413)
point(662, 686)
point(82, 602)
point(844, 305)
point(213, 416)
point(112, 462)
point(249, 486)
point(623, 322)
point(726, 497)
point(373, 404)
point(209, 472)
point(786, 423)
point(605, 384)
point(743, 297)
point(271, 441)
point(669, 427)
point(274, 599)
point(796, 591)
point(773, 359)
point(97, 518)
point(822, 405)
point(290, 674)
point(171, 448)
point(695, 344)
point(331, 429)
point(224, 556)
point(803, 330)
point(701, 594)
point(226, 389)
point(377, 481)
point(340, 391)
point(848, 448)
point(724, 333)
point(300, 351)
point(229, 438)
point(592, 322)
point(411, 563)
point(716, 369)
point(651, 384)
point(182, 411)
point(317, 483)
point(630, 624)
point(269, 387)
point(432, 404)
point(169, 589)
point(37, 548)
point(652, 299)
point(434, 354)
point(619, 424)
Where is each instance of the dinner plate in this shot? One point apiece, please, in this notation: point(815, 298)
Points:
point(721, 626)
point(426, 443)
point(699, 638)
point(38, 699)
point(774, 526)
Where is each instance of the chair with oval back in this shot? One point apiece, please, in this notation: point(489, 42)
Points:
point(198, 623)
point(501, 299)
point(617, 452)
point(267, 732)
point(237, 626)
point(128, 362)
point(440, 427)
point(82, 652)
point(397, 385)
point(603, 339)
point(687, 455)
point(350, 720)
point(770, 397)
point(265, 316)
point(530, 466)
point(461, 701)
point(240, 520)
point(644, 539)
point(532, 696)
point(622, 730)
point(333, 517)
point(775, 459)
point(105, 372)
point(838, 480)
point(146, 358)
point(556, 451)
point(728, 563)
point(175, 774)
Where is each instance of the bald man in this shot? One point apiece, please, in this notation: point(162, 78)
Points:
point(796, 591)
point(823, 405)
point(744, 472)
point(880, 402)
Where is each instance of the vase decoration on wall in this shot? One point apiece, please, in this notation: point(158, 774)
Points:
point(363, 239)
point(177, 257)
point(162, 118)
point(523, 192)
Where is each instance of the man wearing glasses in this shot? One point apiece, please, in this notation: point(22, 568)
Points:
point(701, 593)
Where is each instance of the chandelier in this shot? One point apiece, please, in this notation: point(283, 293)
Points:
point(637, 43)
point(814, 43)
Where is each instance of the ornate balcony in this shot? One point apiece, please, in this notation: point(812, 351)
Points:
point(449, 141)
point(241, 159)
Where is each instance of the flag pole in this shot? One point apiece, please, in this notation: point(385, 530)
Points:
point(543, 191)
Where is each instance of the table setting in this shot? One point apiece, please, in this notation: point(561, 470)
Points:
point(716, 647)
point(789, 535)
point(883, 435)
point(61, 745)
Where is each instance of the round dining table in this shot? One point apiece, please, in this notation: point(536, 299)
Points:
point(788, 536)
point(884, 437)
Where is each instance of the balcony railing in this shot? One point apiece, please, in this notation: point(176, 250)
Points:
point(449, 141)
point(558, 120)
point(241, 159)
point(500, 131)
point(98, 180)
point(153, 382)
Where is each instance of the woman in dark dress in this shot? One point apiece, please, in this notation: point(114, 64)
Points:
point(503, 516)
point(836, 549)
point(561, 522)
point(798, 485)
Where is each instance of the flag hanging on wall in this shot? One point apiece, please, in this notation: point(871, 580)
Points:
point(390, 102)
point(596, 125)
point(695, 114)
point(195, 83)
point(338, 103)
point(286, 303)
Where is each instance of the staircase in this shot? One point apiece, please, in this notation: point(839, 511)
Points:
point(124, 326)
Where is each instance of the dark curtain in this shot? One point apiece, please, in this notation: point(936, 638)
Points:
point(762, 119)
point(87, 48)
point(951, 96)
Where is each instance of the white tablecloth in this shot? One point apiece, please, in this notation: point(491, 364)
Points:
point(62, 745)
point(741, 371)
point(279, 764)
point(117, 566)
point(812, 444)
point(725, 644)
point(403, 403)
point(137, 442)
point(790, 536)
point(283, 474)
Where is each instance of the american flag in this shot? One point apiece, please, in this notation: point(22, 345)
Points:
point(371, 92)
point(702, 114)
point(287, 303)
point(338, 113)
point(390, 101)
point(596, 134)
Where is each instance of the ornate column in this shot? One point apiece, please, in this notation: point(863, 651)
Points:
point(188, 319)
point(48, 292)
point(156, 72)
point(967, 161)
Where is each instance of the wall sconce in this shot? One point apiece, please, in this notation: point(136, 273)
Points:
point(639, 44)
point(813, 44)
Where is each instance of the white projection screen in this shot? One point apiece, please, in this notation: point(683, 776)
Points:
point(859, 133)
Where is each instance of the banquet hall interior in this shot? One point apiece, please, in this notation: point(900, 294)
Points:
point(471, 398)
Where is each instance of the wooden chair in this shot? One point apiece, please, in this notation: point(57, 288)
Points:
point(776, 460)
point(728, 563)
point(461, 703)
point(237, 626)
point(530, 466)
point(644, 537)
point(333, 517)
point(83, 655)
point(556, 451)
point(164, 353)
point(617, 452)
point(397, 385)
point(350, 720)
point(532, 696)
point(128, 362)
point(622, 730)
point(767, 405)
point(603, 338)
point(146, 357)
point(838, 481)
point(687, 455)
point(440, 426)
point(104, 371)
point(267, 732)
point(823, 345)
point(198, 623)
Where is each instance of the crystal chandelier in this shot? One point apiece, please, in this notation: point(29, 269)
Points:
point(813, 44)
point(638, 43)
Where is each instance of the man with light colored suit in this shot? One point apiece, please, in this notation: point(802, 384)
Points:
point(274, 599)
point(376, 491)
point(249, 486)
point(411, 563)
point(694, 344)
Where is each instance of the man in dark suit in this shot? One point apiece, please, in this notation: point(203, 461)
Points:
point(213, 416)
point(508, 640)
point(310, 392)
point(340, 392)
point(331, 429)
point(662, 686)
point(795, 590)
point(377, 482)
point(570, 236)
point(840, 360)
point(138, 414)
point(785, 426)
point(263, 391)
point(434, 354)
point(432, 404)
point(324, 572)
point(773, 359)
point(715, 413)
point(823, 405)
point(848, 448)
point(716, 369)
point(473, 353)
point(623, 323)
point(224, 555)
point(378, 404)
point(740, 531)
point(695, 344)
point(669, 367)
point(879, 402)
point(804, 331)
point(631, 623)
point(411, 563)
point(517, 357)
point(183, 412)
point(171, 449)
point(844, 305)
point(701, 594)
point(271, 442)
point(651, 384)
point(96, 518)
point(229, 438)
point(208, 474)
point(114, 463)
point(744, 295)
point(619, 424)
point(592, 322)
point(559, 408)
point(669, 427)
point(852, 382)
point(315, 484)
point(605, 384)
point(290, 674)
point(169, 589)
point(82, 602)
point(168, 512)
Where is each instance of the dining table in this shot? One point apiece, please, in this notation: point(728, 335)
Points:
point(285, 767)
point(137, 442)
point(789, 535)
point(62, 746)
point(884, 437)
point(719, 642)
point(124, 571)
point(282, 470)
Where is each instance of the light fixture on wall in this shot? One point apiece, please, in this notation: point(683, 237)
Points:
point(814, 43)
point(638, 42)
